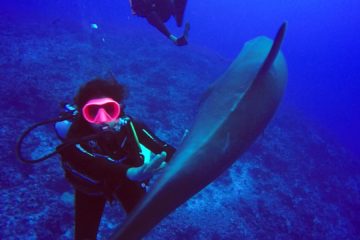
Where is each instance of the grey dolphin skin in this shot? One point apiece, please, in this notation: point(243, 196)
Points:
point(235, 111)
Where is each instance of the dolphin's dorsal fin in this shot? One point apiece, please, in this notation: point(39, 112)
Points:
point(273, 51)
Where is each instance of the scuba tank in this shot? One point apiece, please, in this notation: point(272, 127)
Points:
point(62, 127)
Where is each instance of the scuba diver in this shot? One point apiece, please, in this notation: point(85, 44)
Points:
point(157, 12)
point(105, 154)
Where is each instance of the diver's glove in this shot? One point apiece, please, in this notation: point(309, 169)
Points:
point(148, 169)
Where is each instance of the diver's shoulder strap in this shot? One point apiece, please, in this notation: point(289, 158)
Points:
point(144, 152)
point(132, 133)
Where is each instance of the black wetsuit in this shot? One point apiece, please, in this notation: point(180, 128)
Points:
point(97, 179)
point(162, 7)
point(159, 11)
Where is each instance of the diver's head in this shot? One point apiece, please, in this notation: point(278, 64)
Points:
point(101, 110)
point(99, 100)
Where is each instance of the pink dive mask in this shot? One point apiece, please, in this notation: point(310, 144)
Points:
point(101, 110)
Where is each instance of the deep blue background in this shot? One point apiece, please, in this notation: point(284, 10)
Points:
point(321, 46)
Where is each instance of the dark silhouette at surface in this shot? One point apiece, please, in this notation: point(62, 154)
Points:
point(157, 12)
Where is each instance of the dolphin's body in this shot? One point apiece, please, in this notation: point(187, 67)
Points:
point(235, 111)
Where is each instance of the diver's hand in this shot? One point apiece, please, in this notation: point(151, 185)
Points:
point(183, 40)
point(147, 170)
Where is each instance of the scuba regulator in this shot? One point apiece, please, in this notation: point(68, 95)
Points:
point(62, 124)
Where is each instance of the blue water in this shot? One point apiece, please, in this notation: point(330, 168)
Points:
point(322, 49)
point(322, 45)
point(299, 181)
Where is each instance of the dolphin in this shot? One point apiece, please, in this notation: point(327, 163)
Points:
point(235, 111)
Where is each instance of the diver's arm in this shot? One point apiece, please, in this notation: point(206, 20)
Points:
point(92, 165)
point(162, 150)
point(147, 170)
point(154, 19)
point(151, 141)
point(98, 167)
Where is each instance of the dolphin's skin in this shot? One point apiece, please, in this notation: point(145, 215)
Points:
point(236, 110)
